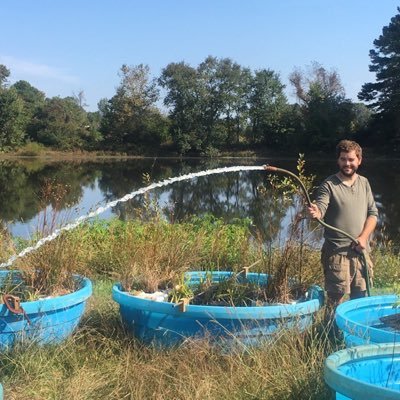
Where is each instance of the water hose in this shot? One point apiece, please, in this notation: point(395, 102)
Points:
point(362, 256)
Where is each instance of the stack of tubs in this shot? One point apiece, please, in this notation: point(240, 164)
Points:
point(370, 366)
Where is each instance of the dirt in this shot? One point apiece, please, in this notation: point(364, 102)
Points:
point(392, 321)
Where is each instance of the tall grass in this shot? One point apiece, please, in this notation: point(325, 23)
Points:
point(386, 261)
point(145, 256)
point(101, 361)
point(154, 255)
point(7, 246)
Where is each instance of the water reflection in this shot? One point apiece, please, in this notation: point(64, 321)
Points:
point(231, 195)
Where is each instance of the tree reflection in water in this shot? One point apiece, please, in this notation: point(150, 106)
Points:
point(231, 195)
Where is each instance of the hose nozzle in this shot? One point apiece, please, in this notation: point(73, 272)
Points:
point(270, 168)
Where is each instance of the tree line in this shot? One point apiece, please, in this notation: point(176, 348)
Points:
point(215, 106)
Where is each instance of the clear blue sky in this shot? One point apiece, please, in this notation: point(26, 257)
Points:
point(62, 47)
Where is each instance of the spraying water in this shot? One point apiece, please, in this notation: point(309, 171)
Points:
point(127, 197)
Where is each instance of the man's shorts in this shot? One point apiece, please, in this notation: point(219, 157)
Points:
point(344, 272)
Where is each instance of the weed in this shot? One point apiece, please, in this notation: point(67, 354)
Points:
point(386, 265)
point(7, 246)
point(52, 197)
point(288, 262)
point(181, 290)
point(49, 270)
point(231, 291)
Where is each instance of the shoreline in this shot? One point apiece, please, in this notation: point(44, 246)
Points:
point(263, 153)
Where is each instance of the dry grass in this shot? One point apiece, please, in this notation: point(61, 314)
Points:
point(7, 247)
point(154, 255)
point(145, 256)
point(102, 362)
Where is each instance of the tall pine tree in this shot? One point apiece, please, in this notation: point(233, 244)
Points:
point(383, 96)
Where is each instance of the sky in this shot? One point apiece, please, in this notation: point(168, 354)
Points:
point(64, 47)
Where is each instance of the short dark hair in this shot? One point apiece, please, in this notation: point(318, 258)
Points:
point(348, 145)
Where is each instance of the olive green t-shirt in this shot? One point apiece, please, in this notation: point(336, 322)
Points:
point(344, 207)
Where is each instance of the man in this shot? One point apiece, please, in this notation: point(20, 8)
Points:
point(345, 201)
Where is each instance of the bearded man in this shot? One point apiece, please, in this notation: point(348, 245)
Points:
point(345, 201)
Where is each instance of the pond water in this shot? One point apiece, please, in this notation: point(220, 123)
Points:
point(85, 186)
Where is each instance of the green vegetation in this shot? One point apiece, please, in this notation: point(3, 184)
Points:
point(217, 106)
point(97, 361)
point(142, 256)
point(383, 95)
point(102, 361)
point(154, 255)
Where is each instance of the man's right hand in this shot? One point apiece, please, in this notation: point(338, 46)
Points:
point(313, 211)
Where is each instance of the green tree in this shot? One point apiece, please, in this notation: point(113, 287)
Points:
point(268, 108)
point(208, 104)
point(383, 95)
point(32, 99)
point(102, 106)
point(62, 123)
point(227, 89)
point(12, 119)
point(31, 96)
point(130, 118)
point(4, 74)
point(211, 103)
point(361, 119)
point(327, 114)
point(182, 99)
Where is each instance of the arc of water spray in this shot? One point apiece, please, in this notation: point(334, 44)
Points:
point(127, 197)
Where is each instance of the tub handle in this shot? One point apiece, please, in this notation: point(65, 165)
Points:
point(13, 304)
point(182, 305)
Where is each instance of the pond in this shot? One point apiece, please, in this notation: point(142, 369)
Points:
point(88, 185)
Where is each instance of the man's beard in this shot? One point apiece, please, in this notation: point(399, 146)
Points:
point(350, 173)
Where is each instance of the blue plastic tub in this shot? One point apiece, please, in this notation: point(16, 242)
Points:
point(51, 320)
point(365, 372)
point(360, 321)
point(164, 323)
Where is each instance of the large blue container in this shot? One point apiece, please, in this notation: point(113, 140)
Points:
point(51, 320)
point(368, 372)
point(164, 324)
point(360, 321)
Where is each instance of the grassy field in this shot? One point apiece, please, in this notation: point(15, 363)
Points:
point(102, 361)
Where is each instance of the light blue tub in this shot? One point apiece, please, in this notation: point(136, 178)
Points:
point(360, 322)
point(50, 320)
point(164, 323)
point(368, 372)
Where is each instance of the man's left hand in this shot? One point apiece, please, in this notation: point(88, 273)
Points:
point(362, 244)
